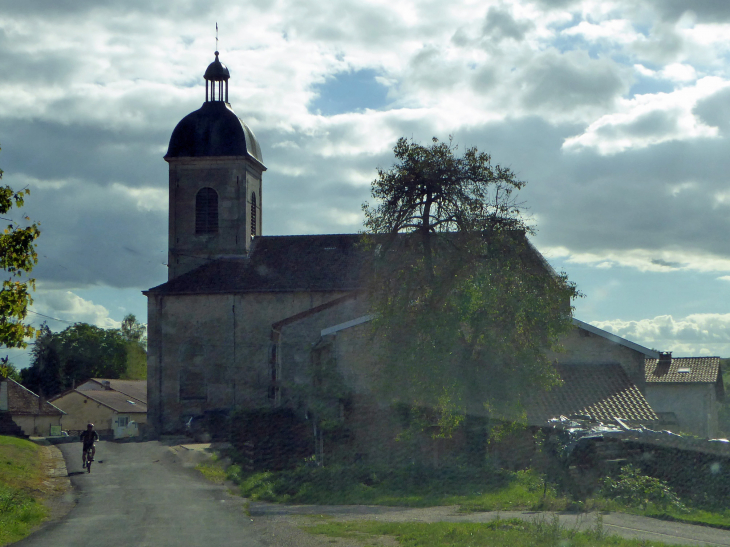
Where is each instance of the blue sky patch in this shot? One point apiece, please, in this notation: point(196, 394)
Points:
point(644, 84)
point(350, 92)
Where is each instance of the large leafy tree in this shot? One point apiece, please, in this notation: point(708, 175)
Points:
point(17, 258)
point(465, 306)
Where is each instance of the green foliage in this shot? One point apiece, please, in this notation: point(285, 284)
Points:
point(17, 258)
point(636, 490)
point(464, 307)
point(62, 360)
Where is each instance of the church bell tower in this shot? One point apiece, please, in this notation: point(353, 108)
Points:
point(215, 181)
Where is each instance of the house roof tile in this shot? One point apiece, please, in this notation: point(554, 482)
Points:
point(603, 392)
point(136, 389)
point(683, 370)
point(115, 400)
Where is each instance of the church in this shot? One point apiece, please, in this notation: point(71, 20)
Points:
point(243, 315)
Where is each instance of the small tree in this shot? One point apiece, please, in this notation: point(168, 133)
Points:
point(465, 306)
point(134, 332)
point(17, 258)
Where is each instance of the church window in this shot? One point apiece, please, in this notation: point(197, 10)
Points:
point(253, 214)
point(192, 386)
point(206, 211)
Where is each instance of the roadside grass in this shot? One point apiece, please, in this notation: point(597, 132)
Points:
point(21, 477)
point(472, 489)
point(497, 533)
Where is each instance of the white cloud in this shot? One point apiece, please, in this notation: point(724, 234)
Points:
point(649, 119)
point(693, 335)
point(679, 72)
point(146, 199)
point(615, 30)
point(70, 307)
point(644, 260)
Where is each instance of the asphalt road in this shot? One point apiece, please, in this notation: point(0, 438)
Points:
point(137, 494)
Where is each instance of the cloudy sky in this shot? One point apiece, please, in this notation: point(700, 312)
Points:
point(617, 113)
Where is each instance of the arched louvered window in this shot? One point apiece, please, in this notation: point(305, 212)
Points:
point(206, 211)
point(253, 214)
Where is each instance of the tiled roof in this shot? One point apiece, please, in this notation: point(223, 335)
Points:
point(115, 400)
point(603, 392)
point(279, 263)
point(683, 370)
point(332, 262)
point(136, 389)
point(23, 401)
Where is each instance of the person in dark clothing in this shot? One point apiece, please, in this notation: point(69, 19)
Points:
point(89, 437)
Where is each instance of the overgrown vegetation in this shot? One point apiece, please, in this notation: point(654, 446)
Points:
point(497, 533)
point(21, 475)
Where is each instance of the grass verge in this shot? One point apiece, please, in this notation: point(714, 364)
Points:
point(497, 533)
point(472, 489)
point(21, 476)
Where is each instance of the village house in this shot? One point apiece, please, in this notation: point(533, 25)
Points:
point(686, 392)
point(22, 412)
point(115, 407)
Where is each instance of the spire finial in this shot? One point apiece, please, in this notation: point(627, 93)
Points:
point(216, 38)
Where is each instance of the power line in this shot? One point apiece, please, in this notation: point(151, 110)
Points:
point(54, 318)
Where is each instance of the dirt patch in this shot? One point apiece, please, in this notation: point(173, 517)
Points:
point(55, 491)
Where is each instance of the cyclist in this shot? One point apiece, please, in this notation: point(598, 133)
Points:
point(88, 437)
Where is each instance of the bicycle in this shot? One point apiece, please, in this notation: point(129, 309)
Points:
point(88, 459)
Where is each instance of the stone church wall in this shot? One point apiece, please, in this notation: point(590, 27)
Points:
point(211, 351)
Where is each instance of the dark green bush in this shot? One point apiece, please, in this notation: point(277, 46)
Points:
point(636, 490)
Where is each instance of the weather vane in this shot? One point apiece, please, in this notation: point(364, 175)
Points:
point(216, 36)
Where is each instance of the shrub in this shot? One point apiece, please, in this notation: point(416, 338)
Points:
point(636, 490)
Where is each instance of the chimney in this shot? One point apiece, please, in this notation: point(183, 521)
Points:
point(108, 385)
point(665, 358)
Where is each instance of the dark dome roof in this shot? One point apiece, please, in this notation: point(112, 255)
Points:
point(216, 71)
point(213, 130)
